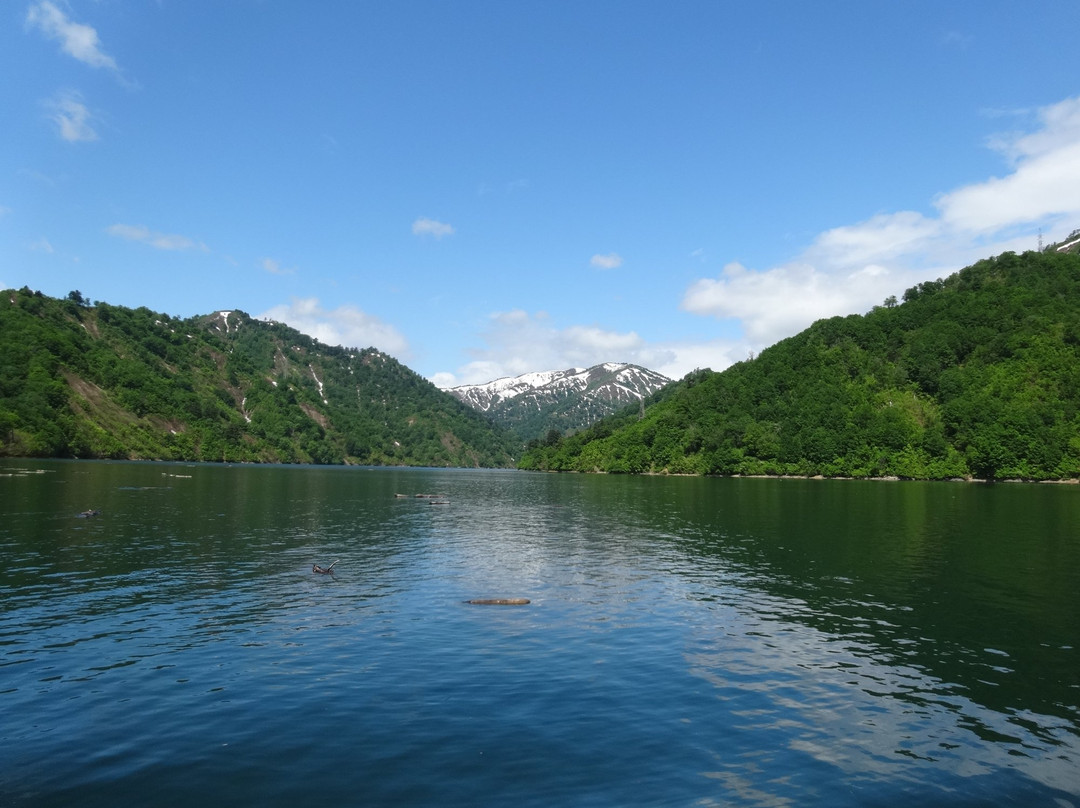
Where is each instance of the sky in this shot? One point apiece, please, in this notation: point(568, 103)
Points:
point(484, 189)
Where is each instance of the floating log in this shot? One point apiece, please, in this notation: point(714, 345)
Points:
point(499, 601)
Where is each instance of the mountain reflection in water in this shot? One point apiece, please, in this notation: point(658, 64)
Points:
point(688, 641)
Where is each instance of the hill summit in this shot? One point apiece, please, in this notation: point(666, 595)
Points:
point(532, 404)
point(103, 381)
point(976, 376)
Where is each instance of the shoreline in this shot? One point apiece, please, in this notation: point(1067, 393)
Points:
point(221, 463)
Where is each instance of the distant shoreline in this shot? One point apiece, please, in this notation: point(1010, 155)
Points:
point(888, 479)
point(892, 479)
point(223, 463)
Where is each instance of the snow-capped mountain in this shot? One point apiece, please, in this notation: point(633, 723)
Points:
point(533, 403)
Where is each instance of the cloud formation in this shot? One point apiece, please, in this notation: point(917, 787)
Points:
point(850, 269)
point(347, 326)
point(431, 227)
point(76, 39)
point(1043, 185)
point(844, 270)
point(161, 241)
point(778, 302)
point(518, 342)
point(609, 261)
point(274, 268)
point(71, 117)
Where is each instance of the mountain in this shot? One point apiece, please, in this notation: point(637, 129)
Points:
point(975, 376)
point(111, 382)
point(533, 404)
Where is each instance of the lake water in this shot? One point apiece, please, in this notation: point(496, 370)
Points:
point(689, 642)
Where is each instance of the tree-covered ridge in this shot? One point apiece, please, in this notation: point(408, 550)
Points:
point(977, 375)
point(108, 381)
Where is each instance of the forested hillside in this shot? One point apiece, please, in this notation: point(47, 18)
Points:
point(977, 375)
point(106, 381)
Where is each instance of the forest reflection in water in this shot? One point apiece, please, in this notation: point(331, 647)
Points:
point(737, 641)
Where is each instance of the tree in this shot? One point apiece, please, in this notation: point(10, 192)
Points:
point(976, 374)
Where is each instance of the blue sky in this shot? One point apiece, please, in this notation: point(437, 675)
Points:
point(487, 189)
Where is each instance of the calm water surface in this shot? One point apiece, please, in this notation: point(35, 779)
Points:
point(689, 641)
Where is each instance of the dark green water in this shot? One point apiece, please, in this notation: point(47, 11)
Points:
point(689, 641)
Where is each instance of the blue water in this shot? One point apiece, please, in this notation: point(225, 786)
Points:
point(688, 641)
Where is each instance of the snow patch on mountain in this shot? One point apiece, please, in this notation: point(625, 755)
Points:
point(569, 398)
point(557, 382)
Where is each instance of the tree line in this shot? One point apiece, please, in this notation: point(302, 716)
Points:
point(973, 376)
point(102, 381)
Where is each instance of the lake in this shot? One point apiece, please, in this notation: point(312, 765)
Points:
point(689, 642)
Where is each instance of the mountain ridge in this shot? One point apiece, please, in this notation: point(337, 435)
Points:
point(565, 400)
point(975, 376)
point(103, 381)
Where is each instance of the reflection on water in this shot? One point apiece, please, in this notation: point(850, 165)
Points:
point(689, 641)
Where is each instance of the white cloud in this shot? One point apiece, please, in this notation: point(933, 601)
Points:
point(850, 269)
point(274, 268)
point(1059, 127)
point(845, 270)
point(443, 379)
point(1043, 185)
point(609, 261)
point(345, 325)
point(71, 117)
point(42, 245)
point(161, 241)
point(77, 40)
point(4, 211)
point(880, 238)
point(519, 342)
point(783, 300)
point(431, 227)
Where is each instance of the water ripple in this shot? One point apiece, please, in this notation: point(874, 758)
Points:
point(672, 653)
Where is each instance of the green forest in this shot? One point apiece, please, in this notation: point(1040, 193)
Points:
point(976, 376)
point(100, 381)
